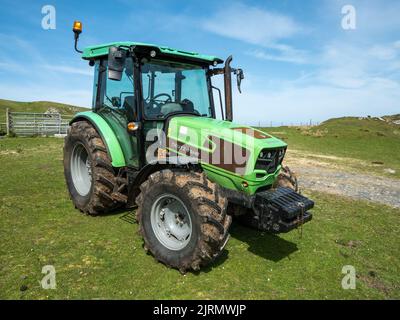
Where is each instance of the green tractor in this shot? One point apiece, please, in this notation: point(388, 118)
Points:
point(152, 139)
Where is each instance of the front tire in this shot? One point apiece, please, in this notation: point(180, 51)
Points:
point(182, 218)
point(89, 174)
point(287, 179)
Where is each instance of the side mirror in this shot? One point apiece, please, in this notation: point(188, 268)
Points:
point(116, 63)
point(239, 78)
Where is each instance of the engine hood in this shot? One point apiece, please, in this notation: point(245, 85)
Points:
point(212, 141)
point(195, 130)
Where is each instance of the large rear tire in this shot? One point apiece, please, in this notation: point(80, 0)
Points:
point(91, 179)
point(182, 218)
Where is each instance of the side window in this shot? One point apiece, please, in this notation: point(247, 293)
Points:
point(191, 82)
point(95, 83)
point(165, 84)
point(120, 94)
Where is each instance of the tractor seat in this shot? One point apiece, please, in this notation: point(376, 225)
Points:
point(129, 105)
point(129, 102)
point(171, 107)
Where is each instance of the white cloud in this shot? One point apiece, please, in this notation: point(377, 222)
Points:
point(32, 77)
point(9, 66)
point(347, 79)
point(376, 16)
point(258, 27)
point(388, 52)
point(70, 70)
point(350, 65)
point(252, 25)
point(285, 55)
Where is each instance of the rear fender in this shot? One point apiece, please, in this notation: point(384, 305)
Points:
point(106, 133)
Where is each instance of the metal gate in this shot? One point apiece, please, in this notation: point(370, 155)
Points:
point(42, 124)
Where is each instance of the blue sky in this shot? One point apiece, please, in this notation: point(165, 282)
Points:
point(299, 63)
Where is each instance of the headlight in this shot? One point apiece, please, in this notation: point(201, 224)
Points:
point(266, 155)
point(281, 154)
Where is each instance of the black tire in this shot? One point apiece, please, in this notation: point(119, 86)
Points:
point(287, 179)
point(103, 195)
point(208, 212)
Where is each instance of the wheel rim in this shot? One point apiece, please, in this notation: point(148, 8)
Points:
point(171, 222)
point(81, 169)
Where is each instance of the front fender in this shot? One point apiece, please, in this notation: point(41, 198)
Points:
point(106, 133)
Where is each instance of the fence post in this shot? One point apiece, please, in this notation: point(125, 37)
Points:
point(7, 122)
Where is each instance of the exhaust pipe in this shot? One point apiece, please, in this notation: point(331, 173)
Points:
point(228, 90)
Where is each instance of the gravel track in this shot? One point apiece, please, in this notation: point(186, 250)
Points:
point(320, 176)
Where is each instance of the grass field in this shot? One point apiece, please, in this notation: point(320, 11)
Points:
point(373, 142)
point(102, 257)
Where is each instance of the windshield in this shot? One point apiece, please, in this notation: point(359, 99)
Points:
point(173, 87)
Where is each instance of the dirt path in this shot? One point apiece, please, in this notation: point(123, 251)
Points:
point(320, 173)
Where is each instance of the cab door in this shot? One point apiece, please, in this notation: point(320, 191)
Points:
point(117, 105)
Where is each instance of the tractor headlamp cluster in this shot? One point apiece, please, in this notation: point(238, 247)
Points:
point(266, 154)
point(269, 159)
point(281, 154)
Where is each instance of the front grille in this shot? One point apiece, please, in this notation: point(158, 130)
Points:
point(270, 159)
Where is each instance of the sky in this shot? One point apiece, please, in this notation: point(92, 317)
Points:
point(300, 63)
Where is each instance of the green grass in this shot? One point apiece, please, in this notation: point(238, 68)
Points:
point(368, 140)
point(102, 257)
point(35, 107)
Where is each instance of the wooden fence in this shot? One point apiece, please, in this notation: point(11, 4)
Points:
point(32, 124)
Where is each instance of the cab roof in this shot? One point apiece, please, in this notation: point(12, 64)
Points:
point(94, 52)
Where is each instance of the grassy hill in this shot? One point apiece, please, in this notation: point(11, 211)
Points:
point(36, 106)
point(395, 117)
point(372, 140)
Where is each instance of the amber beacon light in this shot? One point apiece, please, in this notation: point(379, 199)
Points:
point(77, 29)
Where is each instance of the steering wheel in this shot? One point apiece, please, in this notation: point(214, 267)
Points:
point(169, 98)
point(155, 106)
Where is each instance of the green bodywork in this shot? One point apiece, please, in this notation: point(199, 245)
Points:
point(113, 144)
point(195, 132)
point(94, 52)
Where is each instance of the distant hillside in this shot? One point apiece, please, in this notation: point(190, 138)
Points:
point(373, 140)
point(359, 127)
point(394, 118)
point(36, 106)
